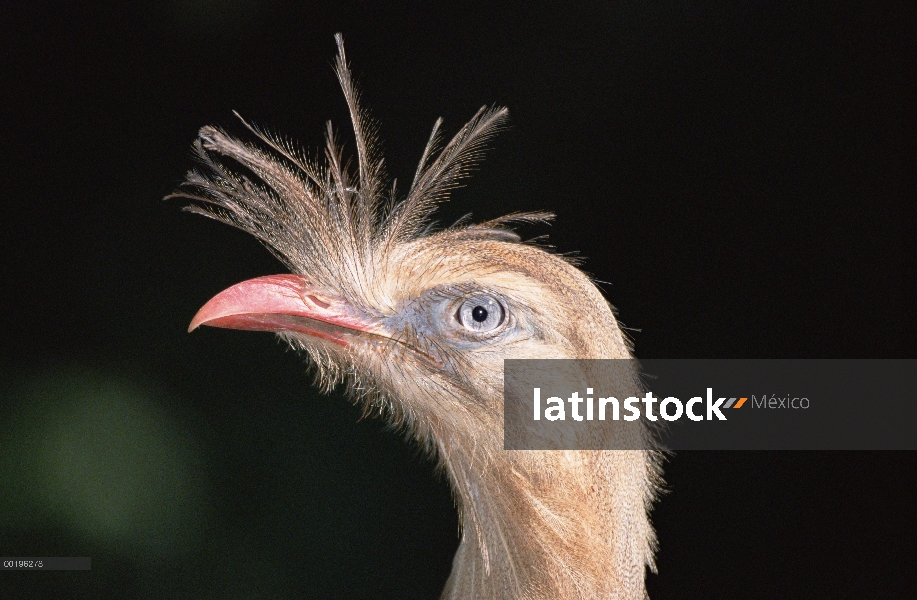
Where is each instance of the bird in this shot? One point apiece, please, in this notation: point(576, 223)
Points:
point(417, 322)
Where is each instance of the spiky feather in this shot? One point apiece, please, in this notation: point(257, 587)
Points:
point(321, 219)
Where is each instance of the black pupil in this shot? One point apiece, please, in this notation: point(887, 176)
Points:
point(479, 314)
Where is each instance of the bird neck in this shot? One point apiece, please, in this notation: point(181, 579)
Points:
point(559, 524)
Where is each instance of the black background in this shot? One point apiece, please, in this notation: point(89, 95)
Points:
point(742, 176)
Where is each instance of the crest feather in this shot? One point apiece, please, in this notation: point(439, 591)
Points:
point(318, 217)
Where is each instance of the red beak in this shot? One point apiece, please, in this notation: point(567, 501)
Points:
point(282, 303)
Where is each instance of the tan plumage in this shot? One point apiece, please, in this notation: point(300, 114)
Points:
point(381, 308)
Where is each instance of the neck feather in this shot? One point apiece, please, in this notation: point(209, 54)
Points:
point(553, 525)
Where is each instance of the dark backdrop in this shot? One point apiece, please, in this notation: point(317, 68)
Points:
point(742, 176)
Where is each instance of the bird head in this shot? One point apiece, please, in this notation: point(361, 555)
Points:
point(401, 314)
point(431, 320)
point(418, 323)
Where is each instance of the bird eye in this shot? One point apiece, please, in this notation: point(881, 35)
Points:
point(481, 314)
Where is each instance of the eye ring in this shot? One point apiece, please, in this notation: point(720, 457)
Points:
point(481, 314)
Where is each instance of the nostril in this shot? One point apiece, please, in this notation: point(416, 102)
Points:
point(317, 302)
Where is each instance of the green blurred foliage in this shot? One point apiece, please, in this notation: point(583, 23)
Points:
point(103, 457)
